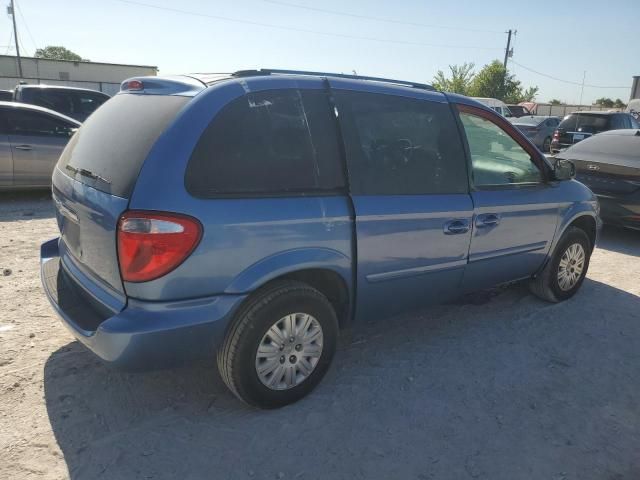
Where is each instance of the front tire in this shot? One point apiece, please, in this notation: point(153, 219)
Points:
point(563, 275)
point(280, 345)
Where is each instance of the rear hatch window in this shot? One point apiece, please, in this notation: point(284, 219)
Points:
point(585, 122)
point(108, 151)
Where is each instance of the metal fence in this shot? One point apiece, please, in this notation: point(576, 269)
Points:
point(562, 110)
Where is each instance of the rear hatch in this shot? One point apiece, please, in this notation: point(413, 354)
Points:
point(609, 164)
point(94, 179)
point(578, 126)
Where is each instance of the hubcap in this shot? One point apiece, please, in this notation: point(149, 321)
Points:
point(571, 266)
point(289, 352)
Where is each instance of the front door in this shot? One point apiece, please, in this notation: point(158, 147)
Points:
point(37, 140)
point(409, 189)
point(515, 209)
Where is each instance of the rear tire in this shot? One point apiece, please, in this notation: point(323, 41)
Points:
point(256, 343)
point(563, 275)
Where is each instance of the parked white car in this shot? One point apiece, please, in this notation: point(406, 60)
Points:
point(495, 104)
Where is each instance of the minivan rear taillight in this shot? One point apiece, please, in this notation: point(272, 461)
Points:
point(152, 244)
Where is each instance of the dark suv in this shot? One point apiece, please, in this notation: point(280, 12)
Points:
point(253, 215)
point(580, 125)
point(77, 103)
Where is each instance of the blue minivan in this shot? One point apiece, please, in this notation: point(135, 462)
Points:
point(253, 216)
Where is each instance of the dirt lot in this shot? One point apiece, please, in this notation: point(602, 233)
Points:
point(497, 386)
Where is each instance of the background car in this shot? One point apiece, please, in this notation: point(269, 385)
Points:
point(77, 103)
point(495, 105)
point(579, 125)
point(6, 96)
point(31, 140)
point(609, 164)
point(538, 129)
point(519, 111)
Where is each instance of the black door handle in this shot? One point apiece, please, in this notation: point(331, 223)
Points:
point(456, 227)
point(23, 147)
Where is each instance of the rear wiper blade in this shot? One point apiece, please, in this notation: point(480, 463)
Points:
point(87, 173)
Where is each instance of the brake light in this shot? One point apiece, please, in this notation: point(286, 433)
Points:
point(556, 135)
point(152, 244)
point(133, 85)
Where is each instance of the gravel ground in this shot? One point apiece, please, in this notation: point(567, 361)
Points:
point(497, 386)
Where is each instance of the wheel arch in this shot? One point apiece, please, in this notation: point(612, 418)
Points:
point(328, 271)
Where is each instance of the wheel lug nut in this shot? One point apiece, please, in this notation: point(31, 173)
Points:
point(298, 347)
point(291, 340)
point(292, 359)
point(282, 359)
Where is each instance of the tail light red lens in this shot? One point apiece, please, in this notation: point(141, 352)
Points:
point(556, 135)
point(152, 244)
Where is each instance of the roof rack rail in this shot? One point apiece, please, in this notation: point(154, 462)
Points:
point(273, 71)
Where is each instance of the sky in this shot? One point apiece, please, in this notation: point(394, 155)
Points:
point(403, 39)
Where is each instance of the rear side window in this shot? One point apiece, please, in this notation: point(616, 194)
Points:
point(114, 141)
point(589, 123)
point(25, 122)
point(400, 146)
point(57, 100)
point(271, 142)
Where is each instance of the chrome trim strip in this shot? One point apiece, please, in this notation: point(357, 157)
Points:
point(410, 272)
point(507, 251)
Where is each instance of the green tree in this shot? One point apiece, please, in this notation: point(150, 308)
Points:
point(53, 52)
point(619, 104)
point(555, 101)
point(494, 81)
point(604, 102)
point(459, 82)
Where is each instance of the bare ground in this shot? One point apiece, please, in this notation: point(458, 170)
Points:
point(497, 386)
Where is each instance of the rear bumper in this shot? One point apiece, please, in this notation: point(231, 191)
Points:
point(143, 335)
point(624, 212)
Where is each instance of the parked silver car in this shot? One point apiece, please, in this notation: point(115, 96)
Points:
point(31, 140)
point(538, 128)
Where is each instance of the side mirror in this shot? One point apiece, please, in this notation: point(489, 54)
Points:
point(564, 169)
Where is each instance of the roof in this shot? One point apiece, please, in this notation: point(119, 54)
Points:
point(57, 87)
point(192, 84)
point(28, 106)
point(38, 59)
point(592, 112)
point(210, 78)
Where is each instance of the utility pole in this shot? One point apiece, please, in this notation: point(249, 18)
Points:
point(15, 36)
point(506, 52)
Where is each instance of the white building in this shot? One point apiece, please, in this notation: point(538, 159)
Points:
point(105, 77)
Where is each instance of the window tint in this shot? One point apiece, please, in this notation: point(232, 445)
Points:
point(634, 122)
point(26, 122)
point(87, 102)
point(589, 123)
point(618, 122)
point(397, 145)
point(56, 100)
point(114, 141)
point(497, 159)
point(269, 142)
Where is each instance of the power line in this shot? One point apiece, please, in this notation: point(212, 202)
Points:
point(377, 19)
point(24, 21)
point(299, 30)
point(561, 80)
